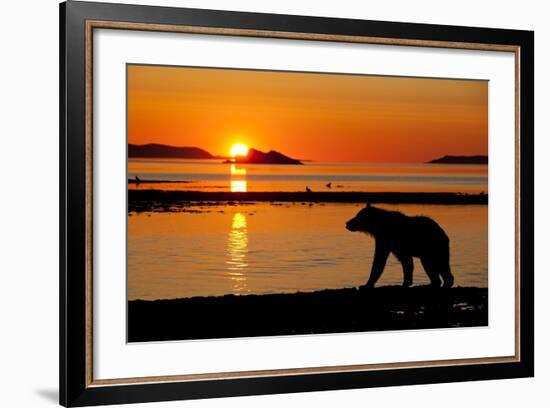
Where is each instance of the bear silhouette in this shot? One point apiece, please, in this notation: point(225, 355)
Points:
point(406, 237)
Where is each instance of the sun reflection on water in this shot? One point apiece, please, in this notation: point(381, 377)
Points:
point(238, 180)
point(235, 171)
point(237, 250)
point(238, 186)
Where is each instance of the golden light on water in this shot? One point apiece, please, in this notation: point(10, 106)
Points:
point(238, 186)
point(239, 149)
point(235, 171)
point(238, 180)
point(237, 250)
point(239, 222)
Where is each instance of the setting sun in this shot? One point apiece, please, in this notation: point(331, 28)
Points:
point(239, 150)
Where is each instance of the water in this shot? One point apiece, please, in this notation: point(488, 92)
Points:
point(213, 175)
point(281, 247)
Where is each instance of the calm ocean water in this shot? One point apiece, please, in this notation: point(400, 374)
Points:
point(213, 175)
point(274, 247)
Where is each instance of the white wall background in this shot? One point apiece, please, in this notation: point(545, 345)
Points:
point(29, 202)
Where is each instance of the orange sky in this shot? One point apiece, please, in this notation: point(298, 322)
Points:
point(322, 117)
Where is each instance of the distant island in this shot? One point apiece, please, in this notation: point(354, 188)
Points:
point(461, 160)
point(257, 157)
point(166, 151)
point(190, 152)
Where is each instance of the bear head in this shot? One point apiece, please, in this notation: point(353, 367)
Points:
point(366, 220)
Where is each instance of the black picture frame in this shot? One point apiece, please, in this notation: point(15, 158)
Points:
point(75, 387)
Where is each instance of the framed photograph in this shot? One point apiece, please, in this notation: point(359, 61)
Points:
point(256, 203)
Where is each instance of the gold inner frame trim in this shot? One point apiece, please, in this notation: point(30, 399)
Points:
point(98, 24)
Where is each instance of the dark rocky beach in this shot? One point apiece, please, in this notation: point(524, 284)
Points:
point(326, 311)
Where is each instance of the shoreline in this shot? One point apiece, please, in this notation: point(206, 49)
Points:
point(149, 200)
point(321, 312)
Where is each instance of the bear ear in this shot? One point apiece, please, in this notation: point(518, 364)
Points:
point(368, 204)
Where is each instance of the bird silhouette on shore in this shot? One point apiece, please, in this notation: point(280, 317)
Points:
point(308, 190)
point(138, 180)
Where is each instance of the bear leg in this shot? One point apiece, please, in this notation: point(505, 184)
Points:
point(381, 254)
point(430, 266)
point(408, 268)
point(444, 268)
point(448, 278)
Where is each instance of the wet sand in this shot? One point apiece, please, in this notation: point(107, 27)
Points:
point(327, 311)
